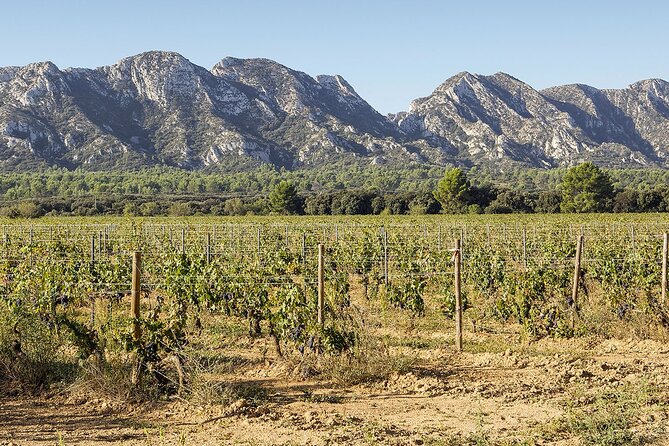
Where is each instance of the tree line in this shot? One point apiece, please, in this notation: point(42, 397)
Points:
point(583, 188)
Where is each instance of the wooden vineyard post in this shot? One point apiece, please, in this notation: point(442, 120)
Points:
point(385, 257)
point(259, 257)
point(458, 297)
point(577, 270)
point(183, 241)
point(135, 294)
point(524, 250)
point(93, 266)
point(665, 248)
point(321, 284)
point(208, 248)
point(462, 241)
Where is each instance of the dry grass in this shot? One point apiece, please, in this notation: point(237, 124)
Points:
point(31, 356)
point(609, 418)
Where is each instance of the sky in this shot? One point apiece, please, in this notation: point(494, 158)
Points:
point(390, 51)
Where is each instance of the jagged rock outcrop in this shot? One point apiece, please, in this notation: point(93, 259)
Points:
point(158, 108)
point(499, 118)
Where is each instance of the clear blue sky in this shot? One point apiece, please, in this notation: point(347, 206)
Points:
point(390, 51)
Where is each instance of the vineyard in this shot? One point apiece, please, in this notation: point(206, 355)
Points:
point(140, 294)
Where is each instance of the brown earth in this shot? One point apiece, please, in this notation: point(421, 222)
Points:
point(499, 391)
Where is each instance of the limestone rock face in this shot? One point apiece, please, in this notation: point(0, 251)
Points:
point(501, 118)
point(158, 108)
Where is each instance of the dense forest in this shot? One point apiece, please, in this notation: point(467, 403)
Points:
point(335, 189)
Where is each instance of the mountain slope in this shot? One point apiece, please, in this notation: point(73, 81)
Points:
point(498, 118)
point(316, 117)
point(158, 108)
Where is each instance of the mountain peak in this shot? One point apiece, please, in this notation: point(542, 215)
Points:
point(650, 84)
point(230, 61)
point(502, 74)
point(46, 67)
point(156, 55)
point(156, 59)
point(506, 78)
point(158, 108)
point(230, 67)
point(338, 84)
point(462, 76)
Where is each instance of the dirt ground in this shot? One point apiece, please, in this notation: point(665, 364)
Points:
point(562, 392)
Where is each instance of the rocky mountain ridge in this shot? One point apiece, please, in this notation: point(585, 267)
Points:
point(158, 108)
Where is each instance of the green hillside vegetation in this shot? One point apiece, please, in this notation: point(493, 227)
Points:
point(336, 189)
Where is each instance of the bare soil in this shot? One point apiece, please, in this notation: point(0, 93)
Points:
point(499, 391)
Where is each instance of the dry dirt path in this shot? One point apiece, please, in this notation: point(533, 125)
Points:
point(538, 394)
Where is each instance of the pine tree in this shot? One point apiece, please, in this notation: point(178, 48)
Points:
point(586, 188)
point(283, 198)
point(453, 191)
